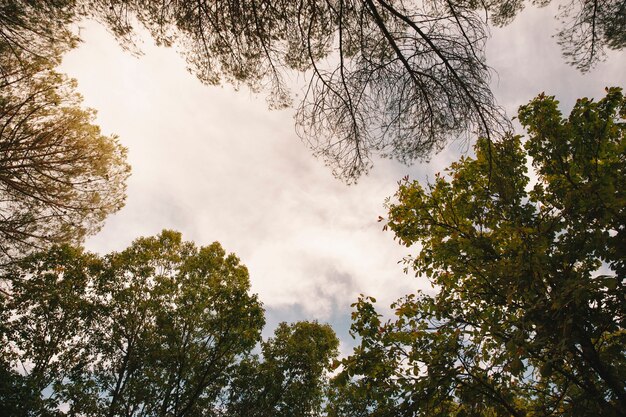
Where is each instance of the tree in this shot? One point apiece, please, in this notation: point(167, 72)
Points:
point(162, 328)
point(529, 318)
point(45, 315)
point(169, 321)
point(290, 380)
point(386, 77)
point(32, 30)
point(588, 26)
point(59, 176)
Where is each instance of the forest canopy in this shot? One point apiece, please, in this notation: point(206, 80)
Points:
point(163, 328)
point(529, 317)
point(391, 78)
point(530, 271)
point(60, 177)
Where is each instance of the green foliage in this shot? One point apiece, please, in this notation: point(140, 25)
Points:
point(162, 328)
point(177, 320)
point(45, 313)
point(59, 176)
point(291, 377)
point(529, 315)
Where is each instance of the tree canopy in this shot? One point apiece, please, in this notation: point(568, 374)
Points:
point(291, 378)
point(162, 328)
point(529, 314)
point(59, 176)
point(393, 78)
point(385, 77)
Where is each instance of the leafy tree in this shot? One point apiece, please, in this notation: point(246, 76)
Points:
point(35, 30)
point(162, 328)
point(290, 379)
point(59, 176)
point(529, 318)
point(45, 315)
point(174, 330)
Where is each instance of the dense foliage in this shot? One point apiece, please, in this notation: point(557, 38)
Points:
point(162, 328)
point(290, 379)
point(529, 317)
point(59, 176)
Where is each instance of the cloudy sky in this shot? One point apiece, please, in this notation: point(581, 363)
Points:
point(216, 165)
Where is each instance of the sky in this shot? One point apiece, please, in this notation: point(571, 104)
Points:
point(217, 165)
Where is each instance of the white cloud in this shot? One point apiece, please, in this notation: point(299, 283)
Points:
point(217, 165)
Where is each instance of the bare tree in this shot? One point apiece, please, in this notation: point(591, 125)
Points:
point(407, 79)
point(387, 77)
point(588, 27)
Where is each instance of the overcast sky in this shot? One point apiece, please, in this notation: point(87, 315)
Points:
point(216, 165)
